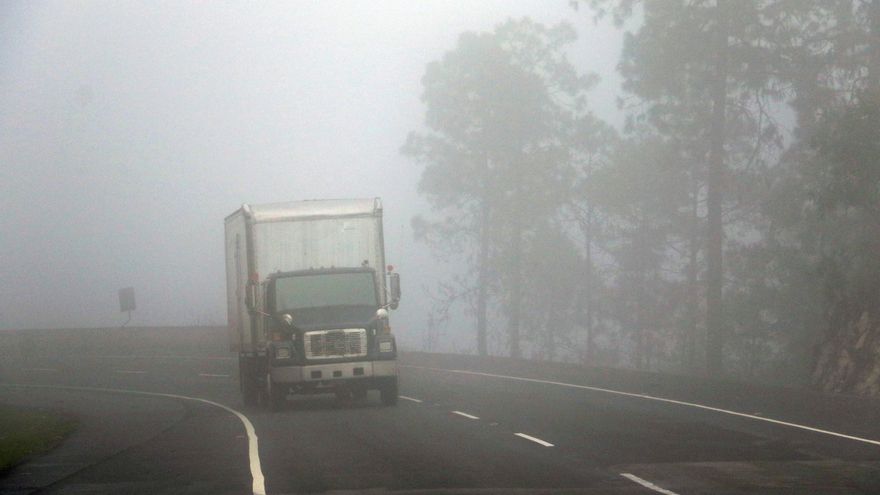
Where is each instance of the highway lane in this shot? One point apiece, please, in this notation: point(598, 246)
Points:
point(318, 444)
point(460, 432)
point(681, 449)
point(413, 446)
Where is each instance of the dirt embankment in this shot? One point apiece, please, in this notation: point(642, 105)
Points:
point(849, 359)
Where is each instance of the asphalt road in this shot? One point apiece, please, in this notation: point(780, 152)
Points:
point(451, 432)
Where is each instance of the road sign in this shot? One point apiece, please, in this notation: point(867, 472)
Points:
point(126, 299)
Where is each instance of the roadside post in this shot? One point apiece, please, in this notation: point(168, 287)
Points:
point(126, 303)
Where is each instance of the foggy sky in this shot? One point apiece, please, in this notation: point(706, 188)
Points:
point(127, 134)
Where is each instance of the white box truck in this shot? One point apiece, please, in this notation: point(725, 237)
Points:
point(308, 294)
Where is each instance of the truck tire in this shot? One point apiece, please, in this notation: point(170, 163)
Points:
point(343, 394)
point(247, 382)
point(359, 394)
point(388, 392)
point(276, 396)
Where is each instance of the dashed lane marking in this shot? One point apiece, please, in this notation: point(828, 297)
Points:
point(130, 372)
point(647, 484)
point(658, 399)
point(45, 370)
point(410, 399)
point(534, 439)
point(466, 415)
point(214, 375)
point(258, 485)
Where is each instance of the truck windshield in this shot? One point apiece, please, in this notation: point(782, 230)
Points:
point(326, 289)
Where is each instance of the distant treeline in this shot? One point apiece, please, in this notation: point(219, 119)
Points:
point(733, 224)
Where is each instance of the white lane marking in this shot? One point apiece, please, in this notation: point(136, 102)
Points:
point(258, 487)
point(647, 484)
point(130, 372)
point(466, 415)
point(659, 399)
point(214, 375)
point(410, 399)
point(534, 439)
point(47, 370)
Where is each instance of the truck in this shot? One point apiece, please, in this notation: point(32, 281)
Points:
point(308, 294)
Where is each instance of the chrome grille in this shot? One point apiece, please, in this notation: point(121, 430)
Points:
point(331, 344)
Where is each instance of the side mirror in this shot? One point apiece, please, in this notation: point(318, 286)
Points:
point(250, 297)
point(395, 290)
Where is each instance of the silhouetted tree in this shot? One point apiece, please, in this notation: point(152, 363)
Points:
point(498, 109)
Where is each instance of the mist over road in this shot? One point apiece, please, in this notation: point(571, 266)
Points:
point(464, 424)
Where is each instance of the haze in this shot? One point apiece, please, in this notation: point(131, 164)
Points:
point(127, 133)
point(635, 246)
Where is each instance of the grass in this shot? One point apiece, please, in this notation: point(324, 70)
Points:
point(28, 432)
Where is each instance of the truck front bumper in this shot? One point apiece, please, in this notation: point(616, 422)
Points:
point(332, 372)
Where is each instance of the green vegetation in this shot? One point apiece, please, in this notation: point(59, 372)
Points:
point(730, 226)
point(25, 432)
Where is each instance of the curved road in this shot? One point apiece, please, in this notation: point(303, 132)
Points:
point(451, 432)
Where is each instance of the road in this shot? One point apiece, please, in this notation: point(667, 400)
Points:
point(460, 427)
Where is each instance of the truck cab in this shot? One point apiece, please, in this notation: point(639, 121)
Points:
point(329, 332)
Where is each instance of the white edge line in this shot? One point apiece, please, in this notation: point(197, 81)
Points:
point(647, 484)
point(534, 439)
point(659, 399)
point(466, 415)
point(258, 486)
point(410, 399)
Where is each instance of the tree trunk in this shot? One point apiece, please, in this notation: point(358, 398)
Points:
point(690, 338)
point(640, 320)
point(587, 226)
point(514, 310)
point(550, 335)
point(482, 279)
point(714, 199)
point(874, 45)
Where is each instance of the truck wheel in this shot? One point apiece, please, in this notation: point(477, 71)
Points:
point(343, 394)
point(388, 392)
point(359, 394)
point(247, 383)
point(275, 396)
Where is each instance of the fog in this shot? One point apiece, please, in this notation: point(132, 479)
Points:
point(664, 186)
point(636, 243)
point(128, 132)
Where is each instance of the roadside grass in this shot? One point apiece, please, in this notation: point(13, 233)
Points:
point(26, 432)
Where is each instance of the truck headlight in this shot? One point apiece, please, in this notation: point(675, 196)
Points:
point(386, 346)
point(282, 353)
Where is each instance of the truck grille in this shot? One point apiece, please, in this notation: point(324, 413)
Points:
point(331, 344)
